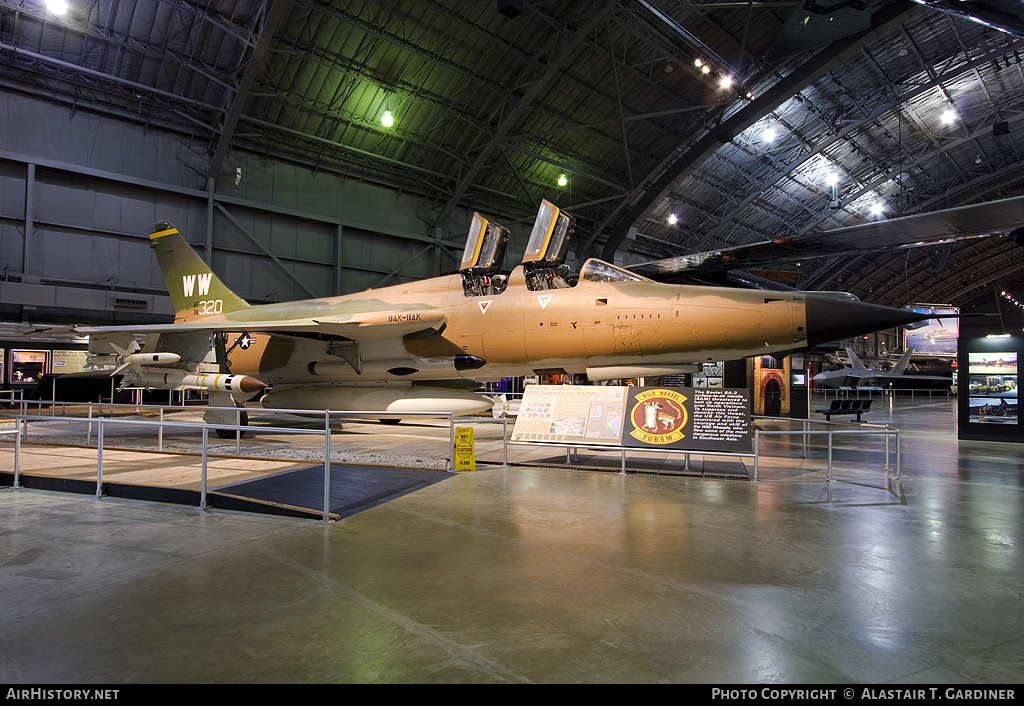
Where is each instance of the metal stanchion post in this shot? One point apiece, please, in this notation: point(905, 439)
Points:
point(202, 475)
point(99, 458)
point(830, 457)
point(757, 455)
point(898, 471)
point(17, 451)
point(327, 466)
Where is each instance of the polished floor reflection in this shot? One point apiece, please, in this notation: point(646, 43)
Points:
point(546, 575)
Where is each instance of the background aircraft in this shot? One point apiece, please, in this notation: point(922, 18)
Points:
point(993, 218)
point(859, 375)
point(424, 346)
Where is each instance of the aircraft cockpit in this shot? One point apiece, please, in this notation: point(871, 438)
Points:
point(595, 270)
point(482, 258)
point(544, 261)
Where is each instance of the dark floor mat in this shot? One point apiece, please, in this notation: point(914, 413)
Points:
point(352, 488)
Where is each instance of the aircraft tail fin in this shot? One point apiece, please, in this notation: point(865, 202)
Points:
point(196, 292)
point(855, 362)
point(901, 366)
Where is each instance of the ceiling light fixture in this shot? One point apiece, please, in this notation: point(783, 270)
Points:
point(387, 120)
point(833, 179)
point(948, 116)
point(57, 7)
point(562, 179)
point(769, 134)
point(672, 220)
point(1010, 298)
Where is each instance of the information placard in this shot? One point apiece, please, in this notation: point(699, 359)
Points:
point(684, 418)
point(695, 419)
point(580, 414)
point(69, 361)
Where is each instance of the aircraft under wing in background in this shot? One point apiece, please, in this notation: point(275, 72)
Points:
point(856, 374)
point(425, 346)
point(1004, 217)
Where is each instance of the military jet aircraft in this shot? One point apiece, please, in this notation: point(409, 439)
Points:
point(859, 375)
point(730, 265)
point(424, 346)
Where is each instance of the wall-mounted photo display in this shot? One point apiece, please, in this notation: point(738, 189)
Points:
point(28, 366)
point(935, 337)
point(992, 385)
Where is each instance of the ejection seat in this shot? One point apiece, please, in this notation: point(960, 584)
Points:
point(548, 246)
point(482, 258)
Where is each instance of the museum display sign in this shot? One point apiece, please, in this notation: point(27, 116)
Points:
point(992, 382)
point(678, 418)
point(28, 366)
point(989, 367)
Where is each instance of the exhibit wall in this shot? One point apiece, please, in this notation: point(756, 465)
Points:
point(78, 193)
point(771, 386)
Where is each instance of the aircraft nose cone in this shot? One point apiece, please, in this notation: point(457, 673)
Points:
point(833, 319)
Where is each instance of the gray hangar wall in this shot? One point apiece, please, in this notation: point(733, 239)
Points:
point(78, 192)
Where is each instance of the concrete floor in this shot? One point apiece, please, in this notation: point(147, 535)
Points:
point(545, 575)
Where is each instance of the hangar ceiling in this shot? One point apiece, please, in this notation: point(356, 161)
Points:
point(830, 109)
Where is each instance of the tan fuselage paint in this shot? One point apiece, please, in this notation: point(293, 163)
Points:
point(520, 331)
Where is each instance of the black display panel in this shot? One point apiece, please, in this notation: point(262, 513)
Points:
point(987, 388)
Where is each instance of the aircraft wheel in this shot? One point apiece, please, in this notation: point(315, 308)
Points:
point(390, 421)
point(243, 420)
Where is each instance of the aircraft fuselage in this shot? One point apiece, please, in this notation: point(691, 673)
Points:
point(519, 331)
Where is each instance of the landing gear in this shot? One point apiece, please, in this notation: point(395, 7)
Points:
point(243, 420)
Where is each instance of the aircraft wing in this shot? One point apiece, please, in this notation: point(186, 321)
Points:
point(368, 326)
point(976, 221)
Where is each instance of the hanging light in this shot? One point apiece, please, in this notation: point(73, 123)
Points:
point(57, 7)
point(672, 220)
point(387, 120)
point(562, 180)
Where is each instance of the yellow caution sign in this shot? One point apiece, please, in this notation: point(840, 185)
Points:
point(464, 452)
